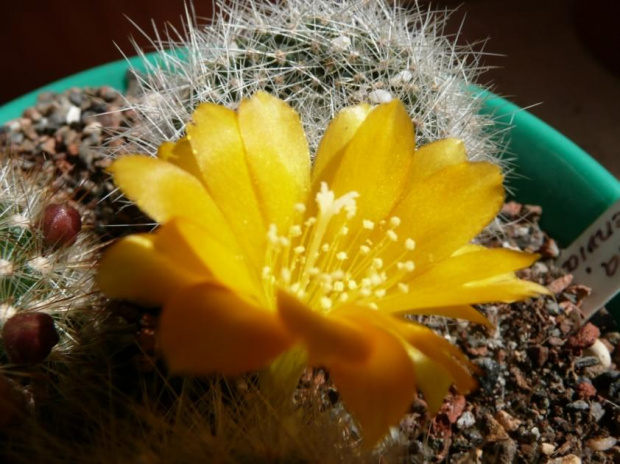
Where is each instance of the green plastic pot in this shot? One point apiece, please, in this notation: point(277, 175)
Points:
point(551, 171)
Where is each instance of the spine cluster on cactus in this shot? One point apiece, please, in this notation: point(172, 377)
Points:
point(320, 57)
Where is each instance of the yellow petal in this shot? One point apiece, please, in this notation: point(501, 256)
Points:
point(132, 269)
point(277, 155)
point(180, 154)
point(376, 161)
point(207, 329)
point(433, 379)
point(163, 191)
point(464, 279)
point(448, 209)
point(439, 350)
point(326, 338)
point(434, 157)
point(195, 249)
point(218, 149)
point(338, 134)
point(378, 391)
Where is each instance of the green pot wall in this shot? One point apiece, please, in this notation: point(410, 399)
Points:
point(550, 170)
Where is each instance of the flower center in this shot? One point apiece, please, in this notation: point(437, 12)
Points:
point(335, 257)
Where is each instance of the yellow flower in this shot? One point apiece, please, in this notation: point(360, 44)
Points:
point(260, 253)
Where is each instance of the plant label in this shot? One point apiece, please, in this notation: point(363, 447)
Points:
point(594, 259)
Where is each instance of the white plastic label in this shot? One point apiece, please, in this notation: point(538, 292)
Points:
point(594, 259)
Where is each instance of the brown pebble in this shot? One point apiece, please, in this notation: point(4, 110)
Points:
point(61, 225)
point(508, 423)
point(585, 390)
point(585, 337)
point(49, 146)
point(453, 407)
point(29, 337)
point(560, 284)
point(512, 209)
point(580, 292)
point(539, 354)
point(549, 248)
point(73, 149)
point(495, 429)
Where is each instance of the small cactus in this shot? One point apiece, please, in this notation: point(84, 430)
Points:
point(46, 270)
point(320, 57)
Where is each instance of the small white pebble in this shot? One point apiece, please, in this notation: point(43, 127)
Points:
point(600, 351)
point(73, 115)
point(547, 449)
point(466, 420)
point(601, 444)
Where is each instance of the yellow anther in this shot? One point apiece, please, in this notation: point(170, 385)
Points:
point(394, 221)
point(369, 225)
point(410, 244)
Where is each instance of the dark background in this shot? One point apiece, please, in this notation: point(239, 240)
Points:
point(561, 57)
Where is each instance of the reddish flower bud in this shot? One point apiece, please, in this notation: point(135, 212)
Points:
point(29, 337)
point(61, 224)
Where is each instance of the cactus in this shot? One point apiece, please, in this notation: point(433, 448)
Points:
point(47, 266)
point(320, 57)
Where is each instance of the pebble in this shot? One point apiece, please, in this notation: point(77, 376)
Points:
point(601, 444)
point(560, 284)
point(547, 449)
point(496, 431)
point(579, 405)
point(600, 352)
point(585, 389)
point(466, 420)
point(597, 411)
point(585, 337)
point(586, 361)
point(491, 373)
point(74, 115)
